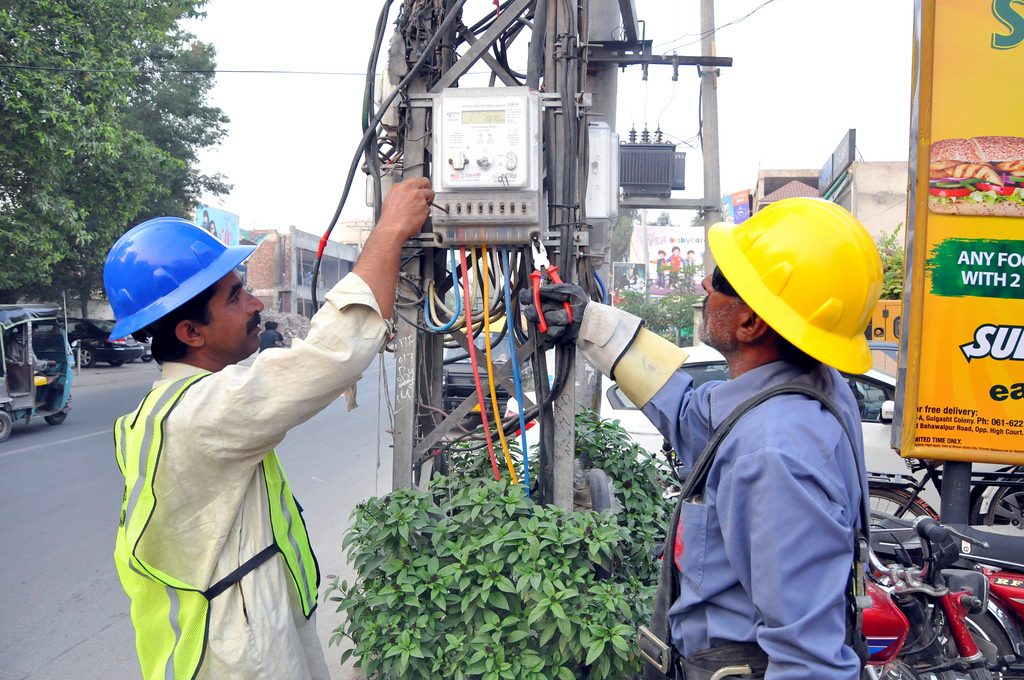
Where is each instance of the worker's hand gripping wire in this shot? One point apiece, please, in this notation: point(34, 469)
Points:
point(560, 306)
point(540, 267)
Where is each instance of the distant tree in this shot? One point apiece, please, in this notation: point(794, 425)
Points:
point(169, 107)
point(622, 235)
point(94, 133)
point(894, 258)
point(664, 219)
point(670, 316)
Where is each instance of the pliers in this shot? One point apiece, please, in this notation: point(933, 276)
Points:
point(541, 265)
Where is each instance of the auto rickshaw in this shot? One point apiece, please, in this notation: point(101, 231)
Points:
point(35, 366)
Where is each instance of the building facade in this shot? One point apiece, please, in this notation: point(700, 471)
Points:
point(875, 192)
point(280, 272)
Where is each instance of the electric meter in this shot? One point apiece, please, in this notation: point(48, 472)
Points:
point(486, 165)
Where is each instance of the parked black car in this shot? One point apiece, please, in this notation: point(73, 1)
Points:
point(94, 343)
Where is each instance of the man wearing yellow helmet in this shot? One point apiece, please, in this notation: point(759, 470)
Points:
point(211, 547)
point(769, 527)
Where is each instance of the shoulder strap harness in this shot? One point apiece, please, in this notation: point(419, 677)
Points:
point(655, 641)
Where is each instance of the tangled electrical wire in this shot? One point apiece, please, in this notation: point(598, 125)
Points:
point(474, 292)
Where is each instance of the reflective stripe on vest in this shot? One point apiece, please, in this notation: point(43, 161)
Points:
point(171, 616)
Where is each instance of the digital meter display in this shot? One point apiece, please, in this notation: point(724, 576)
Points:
point(491, 117)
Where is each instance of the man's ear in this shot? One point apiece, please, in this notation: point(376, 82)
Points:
point(190, 333)
point(751, 328)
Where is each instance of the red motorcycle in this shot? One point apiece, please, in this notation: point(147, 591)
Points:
point(918, 624)
point(997, 551)
point(998, 554)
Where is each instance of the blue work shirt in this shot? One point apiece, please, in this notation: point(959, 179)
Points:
point(767, 553)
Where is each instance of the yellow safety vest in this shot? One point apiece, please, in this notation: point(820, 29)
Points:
point(171, 616)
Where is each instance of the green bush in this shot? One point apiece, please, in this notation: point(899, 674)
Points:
point(475, 580)
point(670, 316)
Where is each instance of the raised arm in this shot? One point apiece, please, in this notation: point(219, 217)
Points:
point(402, 214)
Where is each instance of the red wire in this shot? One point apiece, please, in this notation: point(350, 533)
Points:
point(472, 361)
point(323, 244)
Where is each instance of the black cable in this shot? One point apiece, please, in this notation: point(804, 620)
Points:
point(535, 57)
point(174, 71)
point(373, 155)
point(371, 129)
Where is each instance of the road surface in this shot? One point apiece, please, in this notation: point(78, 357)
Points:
point(64, 613)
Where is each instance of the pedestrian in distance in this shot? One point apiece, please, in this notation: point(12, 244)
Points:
point(769, 535)
point(270, 336)
point(212, 548)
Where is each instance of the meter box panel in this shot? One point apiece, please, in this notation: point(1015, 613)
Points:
point(486, 165)
point(602, 172)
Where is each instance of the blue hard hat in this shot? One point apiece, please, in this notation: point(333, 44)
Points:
point(160, 265)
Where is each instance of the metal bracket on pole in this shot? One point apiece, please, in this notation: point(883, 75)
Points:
point(477, 50)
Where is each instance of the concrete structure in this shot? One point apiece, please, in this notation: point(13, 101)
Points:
point(876, 192)
point(281, 270)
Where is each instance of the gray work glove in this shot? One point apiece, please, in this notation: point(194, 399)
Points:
point(553, 298)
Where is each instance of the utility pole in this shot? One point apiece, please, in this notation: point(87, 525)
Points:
point(712, 212)
point(573, 78)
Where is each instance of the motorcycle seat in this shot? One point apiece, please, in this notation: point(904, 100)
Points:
point(1005, 546)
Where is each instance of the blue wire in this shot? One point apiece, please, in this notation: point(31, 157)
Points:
point(458, 304)
point(515, 369)
point(604, 290)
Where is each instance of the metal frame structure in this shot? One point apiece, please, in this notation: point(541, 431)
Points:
point(579, 79)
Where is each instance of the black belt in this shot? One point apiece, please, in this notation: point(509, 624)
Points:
point(744, 660)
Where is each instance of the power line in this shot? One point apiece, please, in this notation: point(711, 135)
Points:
point(172, 71)
point(700, 36)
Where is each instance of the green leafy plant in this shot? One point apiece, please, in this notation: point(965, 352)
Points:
point(670, 316)
point(894, 261)
point(472, 579)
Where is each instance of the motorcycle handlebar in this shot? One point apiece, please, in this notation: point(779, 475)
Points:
point(930, 529)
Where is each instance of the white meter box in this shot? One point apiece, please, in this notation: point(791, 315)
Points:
point(487, 165)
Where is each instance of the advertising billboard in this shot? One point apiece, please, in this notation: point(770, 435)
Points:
point(963, 350)
point(220, 223)
point(675, 258)
point(628, 277)
point(736, 207)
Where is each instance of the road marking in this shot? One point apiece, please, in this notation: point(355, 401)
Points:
point(107, 431)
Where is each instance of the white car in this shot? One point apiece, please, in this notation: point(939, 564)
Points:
point(875, 391)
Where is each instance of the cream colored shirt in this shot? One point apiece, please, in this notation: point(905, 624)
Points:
point(212, 508)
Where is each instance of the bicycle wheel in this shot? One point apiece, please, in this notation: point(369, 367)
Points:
point(1006, 508)
point(896, 504)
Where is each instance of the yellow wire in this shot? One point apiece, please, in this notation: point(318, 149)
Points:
point(490, 371)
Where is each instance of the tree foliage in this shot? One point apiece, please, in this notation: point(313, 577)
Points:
point(97, 131)
point(622, 235)
point(894, 260)
point(670, 316)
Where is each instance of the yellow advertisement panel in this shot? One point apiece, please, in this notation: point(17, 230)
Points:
point(964, 346)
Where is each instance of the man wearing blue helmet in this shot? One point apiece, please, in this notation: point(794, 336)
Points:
point(211, 547)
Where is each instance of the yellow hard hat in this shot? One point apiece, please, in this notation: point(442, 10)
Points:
point(811, 271)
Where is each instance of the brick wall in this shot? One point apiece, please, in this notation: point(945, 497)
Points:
point(263, 270)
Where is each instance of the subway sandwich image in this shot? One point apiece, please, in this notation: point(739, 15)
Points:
point(977, 176)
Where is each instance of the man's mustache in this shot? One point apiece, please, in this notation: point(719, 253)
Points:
point(253, 323)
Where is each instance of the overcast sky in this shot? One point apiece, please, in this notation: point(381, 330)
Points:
point(804, 72)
